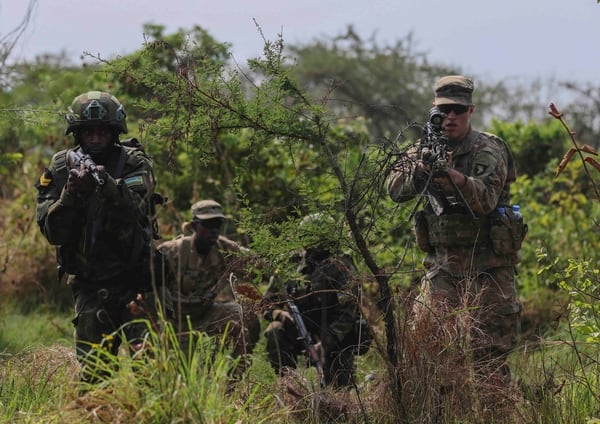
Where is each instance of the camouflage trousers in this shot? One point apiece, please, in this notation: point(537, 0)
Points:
point(284, 348)
point(484, 308)
point(105, 319)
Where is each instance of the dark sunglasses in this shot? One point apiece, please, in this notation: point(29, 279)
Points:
point(457, 109)
point(211, 224)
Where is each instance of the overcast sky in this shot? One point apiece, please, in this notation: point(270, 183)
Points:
point(502, 39)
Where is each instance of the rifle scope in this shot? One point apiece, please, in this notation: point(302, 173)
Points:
point(436, 119)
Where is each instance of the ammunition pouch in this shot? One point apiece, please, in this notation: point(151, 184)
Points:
point(457, 230)
point(507, 232)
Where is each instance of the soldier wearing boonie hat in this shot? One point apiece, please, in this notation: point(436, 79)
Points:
point(202, 264)
point(206, 209)
point(465, 257)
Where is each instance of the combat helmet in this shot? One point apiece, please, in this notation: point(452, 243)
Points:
point(96, 107)
point(319, 229)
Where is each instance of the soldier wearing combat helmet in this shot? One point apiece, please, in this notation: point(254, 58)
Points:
point(93, 204)
point(470, 249)
point(326, 294)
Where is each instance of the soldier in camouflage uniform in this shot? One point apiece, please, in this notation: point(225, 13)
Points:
point(327, 297)
point(467, 257)
point(201, 289)
point(101, 228)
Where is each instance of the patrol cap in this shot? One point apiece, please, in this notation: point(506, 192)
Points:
point(454, 89)
point(206, 209)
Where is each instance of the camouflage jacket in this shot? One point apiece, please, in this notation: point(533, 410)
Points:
point(198, 276)
point(487, 162)
point(106, 233)
point(327, 298)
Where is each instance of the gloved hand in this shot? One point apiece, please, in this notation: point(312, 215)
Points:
point(80, 181)
point(421, 175)
point(443, 182)
point(450, 179)
point(282, 315)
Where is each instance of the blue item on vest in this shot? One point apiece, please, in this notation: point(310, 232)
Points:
point(517, 211)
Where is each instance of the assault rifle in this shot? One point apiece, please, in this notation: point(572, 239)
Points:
point(434, 152)
point(83, 159)
point(303, 335)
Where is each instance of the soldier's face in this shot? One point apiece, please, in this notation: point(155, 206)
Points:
point(208, 230)
point(457, 120)
point(95, 140)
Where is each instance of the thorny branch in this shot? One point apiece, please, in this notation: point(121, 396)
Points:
point(554, 112)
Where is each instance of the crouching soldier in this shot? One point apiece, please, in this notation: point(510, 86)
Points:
point(200, 264)
point(324, 305)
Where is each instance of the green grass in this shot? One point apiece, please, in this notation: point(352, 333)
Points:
point(558, 381)
point(41, 327)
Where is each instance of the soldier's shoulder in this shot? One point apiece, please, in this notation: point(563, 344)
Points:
point(490, 142)
point(345, 260)
point(492, 138)
point(135, 151)
point(59, 159)
point(173, 244)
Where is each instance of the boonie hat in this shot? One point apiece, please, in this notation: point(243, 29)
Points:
point(454, 89)
point(206, 209)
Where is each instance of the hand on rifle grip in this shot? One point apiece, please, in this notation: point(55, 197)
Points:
point(80, 181)
point(282, 315)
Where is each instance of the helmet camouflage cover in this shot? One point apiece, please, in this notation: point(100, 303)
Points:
point(319, 229)
point(96, 107)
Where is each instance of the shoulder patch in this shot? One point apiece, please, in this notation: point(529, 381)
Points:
point(135, 181)
point(479, 170)
point(485, 163)
point(45, 178)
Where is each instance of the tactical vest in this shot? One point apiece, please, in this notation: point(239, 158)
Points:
point(457, 230)
point(461, 230)
point(69, 260)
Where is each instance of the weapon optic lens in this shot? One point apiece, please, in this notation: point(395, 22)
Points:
point(436, 117)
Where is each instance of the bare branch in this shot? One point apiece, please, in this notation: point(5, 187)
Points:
point(9, 40)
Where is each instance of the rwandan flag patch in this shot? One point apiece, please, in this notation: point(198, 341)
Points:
point(133, 182)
